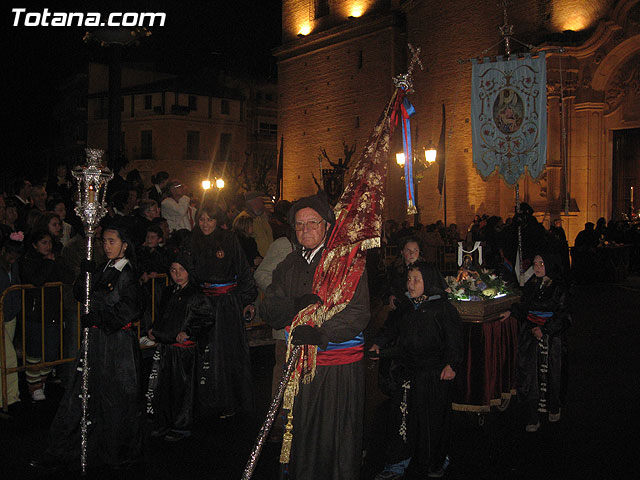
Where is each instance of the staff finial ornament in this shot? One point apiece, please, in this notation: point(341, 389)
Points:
point(405, 80)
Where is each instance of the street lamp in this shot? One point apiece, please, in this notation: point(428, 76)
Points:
point(219, 183)
point(430, 153)
point(206, 184)
point(420, 165)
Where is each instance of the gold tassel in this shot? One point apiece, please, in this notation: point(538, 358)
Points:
point(287, 438)
point(287, 403)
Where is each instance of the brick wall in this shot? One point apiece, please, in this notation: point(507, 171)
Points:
point(321, 93)
point(326, 97)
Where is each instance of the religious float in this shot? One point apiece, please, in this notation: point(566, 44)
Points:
point(487, 378)
point(508, 126)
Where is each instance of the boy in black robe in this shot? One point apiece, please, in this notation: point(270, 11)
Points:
point(428, 344)
point(185, 317)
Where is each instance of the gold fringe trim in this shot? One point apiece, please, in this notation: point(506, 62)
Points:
point(458, 407)
point(461, 407)
point(370, 243)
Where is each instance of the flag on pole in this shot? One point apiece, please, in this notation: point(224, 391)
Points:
point(358, 228)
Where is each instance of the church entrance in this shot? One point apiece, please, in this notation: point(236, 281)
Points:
point(626, 172)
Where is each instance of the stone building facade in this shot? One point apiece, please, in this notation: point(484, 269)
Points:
point(194, 130)
point(338, 58)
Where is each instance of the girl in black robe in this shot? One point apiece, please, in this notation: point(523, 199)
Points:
point(427, 340)
point(221, 268)
point(185, 317)
point(543, 317)
point(114, 436)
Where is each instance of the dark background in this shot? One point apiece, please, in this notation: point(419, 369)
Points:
point(198, 38)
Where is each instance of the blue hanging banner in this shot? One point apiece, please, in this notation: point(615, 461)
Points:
point(509, 117)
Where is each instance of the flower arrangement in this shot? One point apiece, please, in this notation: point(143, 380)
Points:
point(477, 286)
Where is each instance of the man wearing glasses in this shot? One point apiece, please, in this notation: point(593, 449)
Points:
point(328, 412)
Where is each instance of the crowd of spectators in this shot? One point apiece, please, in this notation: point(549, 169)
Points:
point(42, 240)
point(499, 239)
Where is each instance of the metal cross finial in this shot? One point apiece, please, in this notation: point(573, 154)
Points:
point(405, 80)
point(506, 30)
point(415, 59)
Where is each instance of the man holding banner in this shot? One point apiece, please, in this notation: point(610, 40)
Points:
point(328, 411)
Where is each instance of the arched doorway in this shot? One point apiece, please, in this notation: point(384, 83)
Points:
point(625, 172)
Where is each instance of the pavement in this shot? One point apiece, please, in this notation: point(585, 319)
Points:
point(597, 438)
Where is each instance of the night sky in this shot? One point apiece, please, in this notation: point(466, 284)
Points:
point(237, 35)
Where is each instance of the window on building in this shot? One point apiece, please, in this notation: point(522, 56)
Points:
point(148, 103)
point(360, 59)
point(146, 144)
point(193, 102)
point(224, 107)
point(266, 128)
point(224, 148)
point(193, 145)
point(321, 8)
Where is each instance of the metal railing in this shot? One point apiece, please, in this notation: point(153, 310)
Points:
point(23, 365)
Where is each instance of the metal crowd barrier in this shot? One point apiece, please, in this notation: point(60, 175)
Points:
point(61, 359)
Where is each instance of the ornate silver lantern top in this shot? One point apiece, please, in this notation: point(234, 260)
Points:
point(92, 180)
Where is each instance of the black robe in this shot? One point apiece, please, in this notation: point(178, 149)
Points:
point(224, 368)
point(172, 384)
point(544, 297)
point(115, 403)
point(328, 412)
point(425, 339)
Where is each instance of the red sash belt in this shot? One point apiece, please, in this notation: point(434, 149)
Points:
point(539, 318)
point(341, 356)
point(185, 344)
point(213, 290)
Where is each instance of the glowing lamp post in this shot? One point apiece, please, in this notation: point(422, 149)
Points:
point(420, 166)
point(430, 153)
point(206, 184)
point(91, 207)
point(219, 183)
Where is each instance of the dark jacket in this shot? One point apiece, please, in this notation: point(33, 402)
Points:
point(36, 270)
point(115, 297)
point(292, 278)
point(544, 297)
point(428, 336)
point(152, 260)
point(183, 309)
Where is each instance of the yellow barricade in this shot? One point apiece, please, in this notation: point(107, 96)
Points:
point(60, 357)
